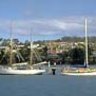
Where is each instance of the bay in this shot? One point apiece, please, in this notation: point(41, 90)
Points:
point(47, 85)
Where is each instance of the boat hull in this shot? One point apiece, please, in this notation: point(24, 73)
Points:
point(80, 74)
point(10, 71)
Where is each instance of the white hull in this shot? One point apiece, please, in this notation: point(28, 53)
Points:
point(80, 74)
point(10, 71)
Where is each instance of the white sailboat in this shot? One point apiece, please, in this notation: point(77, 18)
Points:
point(20, 68)
point(82, 71)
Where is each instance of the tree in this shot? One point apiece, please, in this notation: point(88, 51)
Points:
point(77, 55)
point(45, 49)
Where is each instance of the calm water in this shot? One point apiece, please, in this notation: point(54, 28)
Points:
point(47, 85)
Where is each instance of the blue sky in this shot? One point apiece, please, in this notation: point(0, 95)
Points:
point(46, 19)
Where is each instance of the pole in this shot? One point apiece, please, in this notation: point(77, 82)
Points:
point(11, 45)
point(31, 50)
point(86, 42)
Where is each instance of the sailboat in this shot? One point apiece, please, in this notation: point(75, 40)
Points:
point(82, 71)
point(20, 68)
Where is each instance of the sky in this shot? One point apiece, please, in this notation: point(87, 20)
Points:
point(46, 19)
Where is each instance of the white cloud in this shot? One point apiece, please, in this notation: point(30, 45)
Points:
point(66, 25)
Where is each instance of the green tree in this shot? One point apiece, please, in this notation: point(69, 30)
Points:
point(77, 55)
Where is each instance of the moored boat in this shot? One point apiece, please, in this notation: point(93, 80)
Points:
point(79, 71)
point(6, 70)
point(20, 68)
point(86, 71)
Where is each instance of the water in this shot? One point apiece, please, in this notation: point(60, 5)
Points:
point(47, 85)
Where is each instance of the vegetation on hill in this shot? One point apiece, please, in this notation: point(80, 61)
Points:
point(71, 54)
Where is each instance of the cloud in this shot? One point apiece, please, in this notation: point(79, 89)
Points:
point(67, 26)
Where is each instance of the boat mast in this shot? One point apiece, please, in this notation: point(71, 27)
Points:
point(86, 42)
point(11, 45)
point(31, 49)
